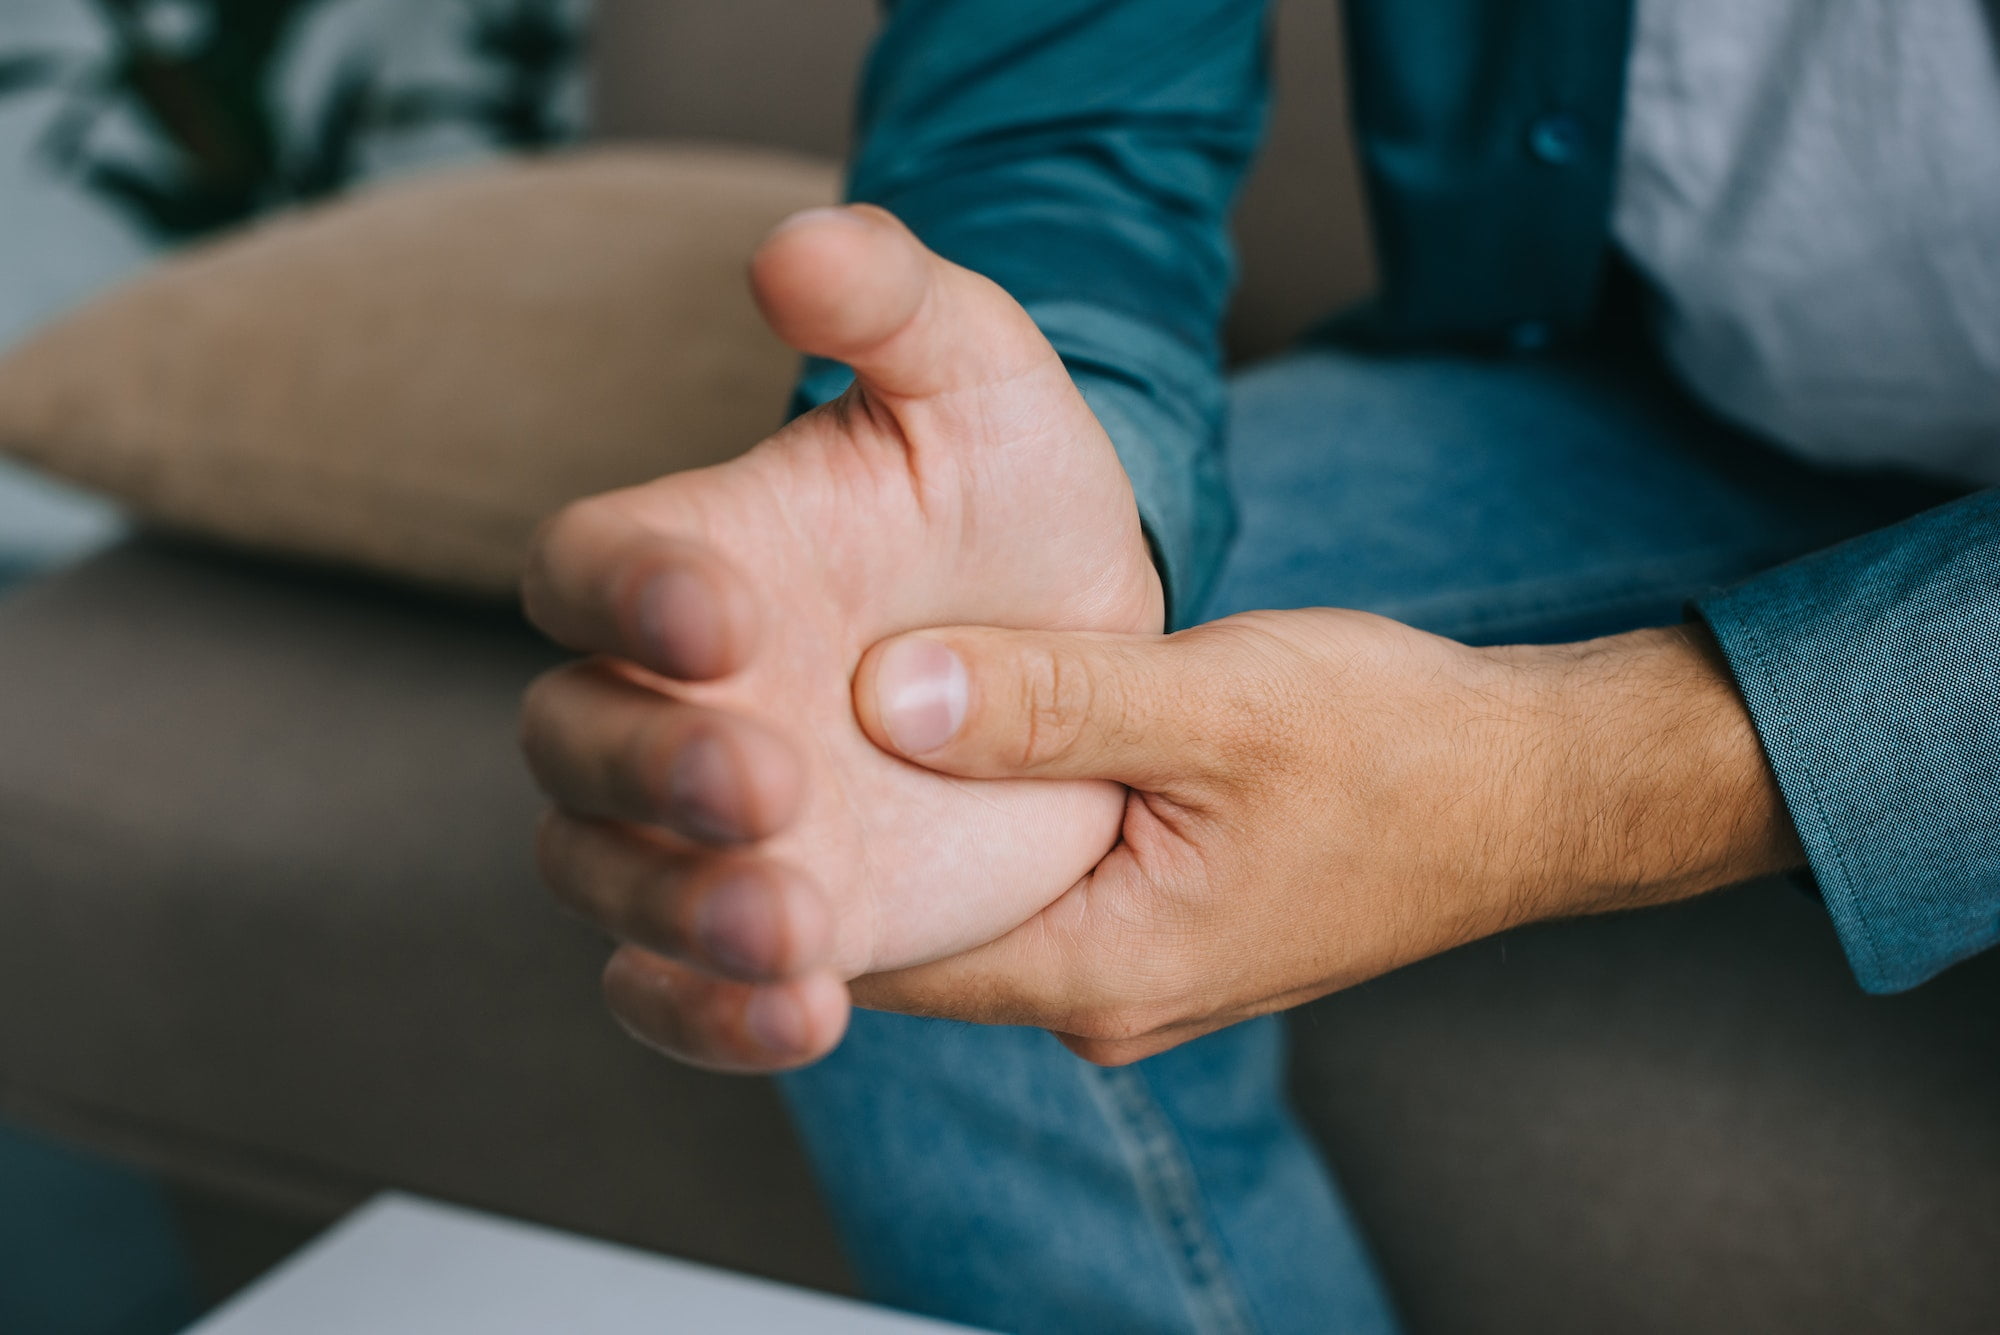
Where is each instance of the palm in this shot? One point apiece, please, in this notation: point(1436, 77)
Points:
point(992, 498)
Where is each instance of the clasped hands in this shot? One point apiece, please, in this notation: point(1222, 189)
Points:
point(880, 714)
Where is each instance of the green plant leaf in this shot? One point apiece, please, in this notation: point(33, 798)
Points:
point(417, 108)
point(171, 210)
point(333, 160)
point(208, 107)
point(531, 45)
point(28, 73)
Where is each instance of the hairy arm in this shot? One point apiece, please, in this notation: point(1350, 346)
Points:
point(1659, 788)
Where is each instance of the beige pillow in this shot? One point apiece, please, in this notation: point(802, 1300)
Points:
point(409, 380)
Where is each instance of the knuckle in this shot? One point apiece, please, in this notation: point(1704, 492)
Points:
point(1108, 1054)
point(657, 1008)
point(553, 851)
point(528, 724)
point(1059, 697)
point(638, 768)
point(538, 705)
point(653, 918)
point(637, 1005)
point(566, 858)
point(560, 533)
point(646, 747)
point(538, 724)
point(1250, 698)
point(1143, 1006)
point(549, 551)
point(1112, 1022)
point(553, 724)
point(1092, 1051)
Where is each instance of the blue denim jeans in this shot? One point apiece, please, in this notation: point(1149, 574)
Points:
point(988, 1176)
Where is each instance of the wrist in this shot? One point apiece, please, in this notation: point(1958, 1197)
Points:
point(1656, 779)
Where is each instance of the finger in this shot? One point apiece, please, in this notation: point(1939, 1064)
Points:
point(989, 704)
point(732, 915)
point(1000, 983)
point(599, 580)
point(602, 745)
point(1051, 972)
point(1035, 978)
point(1029, 979)
point(725, 1026)
point(856, 286)
point(1125, 1051)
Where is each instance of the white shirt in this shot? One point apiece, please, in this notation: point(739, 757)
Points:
point(1813, 189)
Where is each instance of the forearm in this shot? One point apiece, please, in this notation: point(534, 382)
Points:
point(1837, 713)
point(1657, 786)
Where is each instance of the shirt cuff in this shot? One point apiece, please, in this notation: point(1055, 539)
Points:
point(1872, 673)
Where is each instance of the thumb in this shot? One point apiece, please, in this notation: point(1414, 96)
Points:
point(854, 285)
point(992, 704)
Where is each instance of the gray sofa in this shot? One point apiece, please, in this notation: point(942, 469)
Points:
point(268, 924)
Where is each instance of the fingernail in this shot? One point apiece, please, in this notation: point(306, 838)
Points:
point(699, 781)
point(736, 929)
point(680, 625)
point(776, 1021)
point(920, 692)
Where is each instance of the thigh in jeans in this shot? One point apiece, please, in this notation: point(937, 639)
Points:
point(1517, 499)
point(987, 1175)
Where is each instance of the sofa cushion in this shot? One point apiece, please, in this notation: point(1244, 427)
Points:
point(409, 380)
point(1681, 1120)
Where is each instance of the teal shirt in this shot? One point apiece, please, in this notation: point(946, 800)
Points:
point(1085, 155)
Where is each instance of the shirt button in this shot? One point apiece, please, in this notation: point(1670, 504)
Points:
point(1556, 139)
point(1530, 335)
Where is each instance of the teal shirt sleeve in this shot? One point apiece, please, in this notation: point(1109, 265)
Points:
point(1872, 671)
point(1084, 154)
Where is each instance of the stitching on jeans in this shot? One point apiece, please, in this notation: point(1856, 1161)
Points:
point(1168, 1191)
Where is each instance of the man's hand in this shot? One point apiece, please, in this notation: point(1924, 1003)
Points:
point(1318, 797)
point(717, 808)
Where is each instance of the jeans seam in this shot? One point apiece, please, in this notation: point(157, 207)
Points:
point(1171, 1196)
